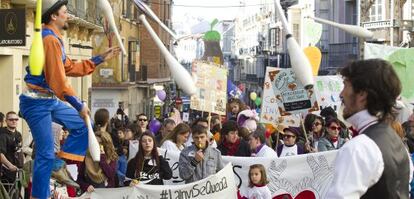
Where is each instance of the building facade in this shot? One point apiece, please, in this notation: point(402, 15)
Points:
point(337, 46)
point(129, 81)
point(390, 20)
point(13, 60)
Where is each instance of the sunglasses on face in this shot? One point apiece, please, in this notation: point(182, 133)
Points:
point(316, 124)
point(289, 136)
point(333, 128)
point(13, 119)
point(142, 120)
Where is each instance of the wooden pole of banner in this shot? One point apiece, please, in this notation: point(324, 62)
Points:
point(209, 121)
point(302, 124)
point(277, 138)
point(221, 126)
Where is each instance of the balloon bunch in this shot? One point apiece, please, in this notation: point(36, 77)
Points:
point(257, 100)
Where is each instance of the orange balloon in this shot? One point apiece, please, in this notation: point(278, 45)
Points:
point(216, 136)
point(314, 56)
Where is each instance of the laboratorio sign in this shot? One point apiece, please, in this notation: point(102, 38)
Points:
point(14, 41)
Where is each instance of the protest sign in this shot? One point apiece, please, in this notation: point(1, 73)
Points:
point(284, 98)
point(211, 83)
point(328, 89)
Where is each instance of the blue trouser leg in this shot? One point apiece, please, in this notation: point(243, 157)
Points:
point(76, 144)
point(37, 113)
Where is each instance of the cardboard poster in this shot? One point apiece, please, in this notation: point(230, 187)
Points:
point(211, 83)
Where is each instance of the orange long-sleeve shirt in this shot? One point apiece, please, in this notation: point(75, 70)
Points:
point(56, 71)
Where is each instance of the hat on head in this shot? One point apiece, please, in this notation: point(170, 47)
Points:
point(294, 130)
point(50, 6)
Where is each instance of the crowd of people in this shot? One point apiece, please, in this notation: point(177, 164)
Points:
point(370, 141)
point(201, 147)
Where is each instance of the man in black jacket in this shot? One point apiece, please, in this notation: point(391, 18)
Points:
point(10, 147)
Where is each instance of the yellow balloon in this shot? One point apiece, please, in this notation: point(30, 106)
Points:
point(253, 96)
point(314, 56)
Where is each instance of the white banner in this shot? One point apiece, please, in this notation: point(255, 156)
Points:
point(306, 175)
point(302, 177)
point(220, 185)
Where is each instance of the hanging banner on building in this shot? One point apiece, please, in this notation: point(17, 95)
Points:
point(402, 61)
point(328, 89)
point(219, 185)
point(12, 27)
point(294, 175)
point(211, 83)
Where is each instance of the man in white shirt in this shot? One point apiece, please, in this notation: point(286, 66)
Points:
point(375, 164)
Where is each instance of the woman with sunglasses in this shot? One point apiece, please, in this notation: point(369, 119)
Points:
point(332, 140)
point(314, 129)
point(289, 146)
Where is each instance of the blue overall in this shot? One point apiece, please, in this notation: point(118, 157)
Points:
point(39, 114)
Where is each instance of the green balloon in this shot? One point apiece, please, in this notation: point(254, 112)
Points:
point(258, 101)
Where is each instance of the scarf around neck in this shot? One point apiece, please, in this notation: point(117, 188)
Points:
point(231, 148)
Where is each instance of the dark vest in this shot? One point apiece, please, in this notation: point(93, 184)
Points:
point(394, 181)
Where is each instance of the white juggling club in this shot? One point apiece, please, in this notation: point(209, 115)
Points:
point(93, 144)
point(351, 29)
point(109, 15)
point(178, 72)
point(147, 11)
point(300, 63)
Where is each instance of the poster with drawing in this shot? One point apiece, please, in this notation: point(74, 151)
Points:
point(328, 89)
point(211, 84)
point(284, 98)
point(291, 96)
point(269, 111)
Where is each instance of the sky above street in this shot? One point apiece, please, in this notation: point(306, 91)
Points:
point(209, 9)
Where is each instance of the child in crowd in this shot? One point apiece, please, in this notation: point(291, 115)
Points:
point(257, 188)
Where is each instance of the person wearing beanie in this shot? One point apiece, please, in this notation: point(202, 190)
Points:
point(43, 101)
point(289, 146)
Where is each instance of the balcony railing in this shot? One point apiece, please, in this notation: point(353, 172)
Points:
point(88, 13)
point(341, 53)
